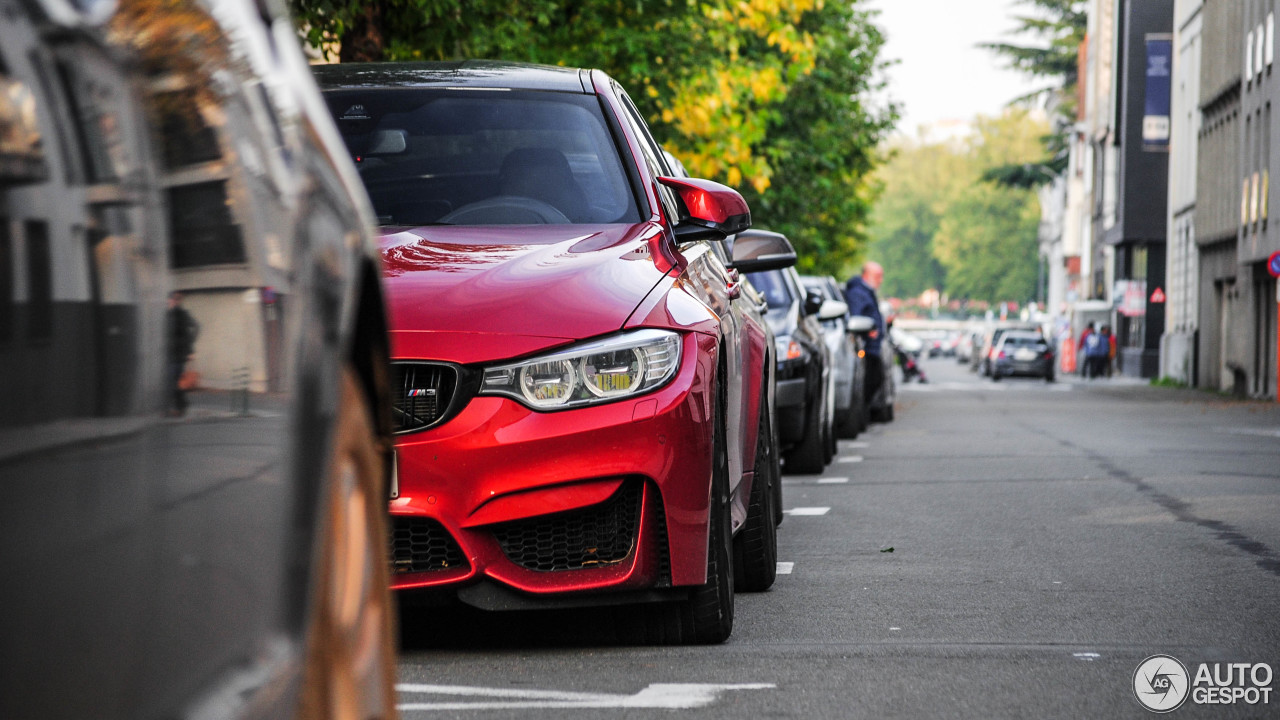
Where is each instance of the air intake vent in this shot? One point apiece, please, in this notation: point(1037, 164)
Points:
point(423, 545)
point(599, 535)
point(422, 394)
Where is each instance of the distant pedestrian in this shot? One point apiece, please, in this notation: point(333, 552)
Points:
point(182, 332)
point(1081, 357)
point(1096, 350)
point(860, 294)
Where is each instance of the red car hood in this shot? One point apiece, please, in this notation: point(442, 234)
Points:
point(474, 294)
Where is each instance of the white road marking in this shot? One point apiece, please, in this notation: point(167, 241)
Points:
point(1086, 656)
point(1263, 432)
point(666, 696)
point(785, 568)
point(850, 459)
point(854, 444)
point(832, 481)
point(808, 511)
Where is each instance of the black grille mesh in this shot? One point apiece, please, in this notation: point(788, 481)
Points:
point(600, 535)
point(422, 544)
point(421, 394)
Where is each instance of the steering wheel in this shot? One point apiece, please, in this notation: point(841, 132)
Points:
point(506, 210)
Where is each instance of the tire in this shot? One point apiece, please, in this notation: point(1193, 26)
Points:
point(888, 413)
point(755, 549)
point(849, 421)
point(350, 655)
point(706, 616)
point(807, 456)
point(828, 439)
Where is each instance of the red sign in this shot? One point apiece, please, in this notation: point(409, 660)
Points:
point(1273, 264)
point(1158, 295)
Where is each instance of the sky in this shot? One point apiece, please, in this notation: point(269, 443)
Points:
point(942, 76)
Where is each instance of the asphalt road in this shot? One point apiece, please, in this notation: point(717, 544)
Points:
point(1002, 550)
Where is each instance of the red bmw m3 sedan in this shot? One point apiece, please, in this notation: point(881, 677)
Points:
point(583, 389)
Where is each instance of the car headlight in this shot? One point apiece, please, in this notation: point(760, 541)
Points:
point(591, 373)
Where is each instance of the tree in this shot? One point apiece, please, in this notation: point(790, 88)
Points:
point(1061, 26)
point(767, 96)
point(938, 225)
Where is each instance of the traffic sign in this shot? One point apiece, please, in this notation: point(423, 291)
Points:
point(1158, 295)
point(1273, 264)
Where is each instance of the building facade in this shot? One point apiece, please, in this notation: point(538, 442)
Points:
point(1178, 346)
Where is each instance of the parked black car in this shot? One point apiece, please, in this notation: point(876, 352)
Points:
point(1022, 352)
point(215, 548)
point(805, 387)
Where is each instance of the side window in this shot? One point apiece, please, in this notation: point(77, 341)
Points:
point(652, 155)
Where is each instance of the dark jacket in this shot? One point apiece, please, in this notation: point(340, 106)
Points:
point(862, 301)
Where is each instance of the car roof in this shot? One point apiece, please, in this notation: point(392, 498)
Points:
point(477, 74)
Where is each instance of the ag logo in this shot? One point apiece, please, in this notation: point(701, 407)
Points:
point(1161, 683)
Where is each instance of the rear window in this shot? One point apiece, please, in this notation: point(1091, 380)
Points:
point(1016, 341)
point(484, 157)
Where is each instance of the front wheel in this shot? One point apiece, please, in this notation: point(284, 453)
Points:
point(755, 549)
point(807, 457)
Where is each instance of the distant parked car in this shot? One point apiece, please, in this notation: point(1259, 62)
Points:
point(992, 338)
point(805, 384)
point(1022, 352)
point(847, 365)
point(582, 385)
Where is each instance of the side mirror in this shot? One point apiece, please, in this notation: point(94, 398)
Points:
point(861, 324)
point(813, 302)
point(715, 211)
point(761, 250)
point(832, 310)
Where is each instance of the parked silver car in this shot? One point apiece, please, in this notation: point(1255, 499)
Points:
point(850, 411)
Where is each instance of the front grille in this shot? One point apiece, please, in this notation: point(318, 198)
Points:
point(422, 545)
point(422, 394)
point(599, 535)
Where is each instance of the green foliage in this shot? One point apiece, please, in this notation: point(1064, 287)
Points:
point(767, 96)
point(1060, 27)
point(938, 225)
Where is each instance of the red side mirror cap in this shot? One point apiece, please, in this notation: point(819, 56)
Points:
point(714, 209)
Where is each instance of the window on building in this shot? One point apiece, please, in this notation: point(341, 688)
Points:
point(39, 281)
point(201, 227)
point(185, 137)
point(6, 282)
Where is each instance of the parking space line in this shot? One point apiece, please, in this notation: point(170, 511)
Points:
point(832, 480)
point(808, 511)
point(785, 568)
point(850, 459)
point(854, 444)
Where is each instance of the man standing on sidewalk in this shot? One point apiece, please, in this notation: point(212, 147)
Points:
point(860, 294)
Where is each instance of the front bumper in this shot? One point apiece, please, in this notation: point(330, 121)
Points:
point(609, 498)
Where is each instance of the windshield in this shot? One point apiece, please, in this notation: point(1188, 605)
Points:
point(472, 157)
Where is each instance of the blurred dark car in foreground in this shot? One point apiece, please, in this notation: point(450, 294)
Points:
point(806, 387)
point(220, 552)
point(1022, 352)
point(582, 394)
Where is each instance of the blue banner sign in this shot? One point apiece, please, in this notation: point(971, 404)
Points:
point(1155, 116)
